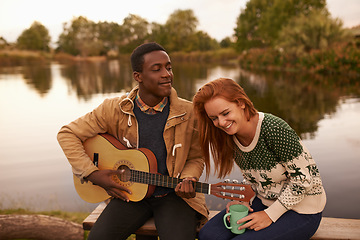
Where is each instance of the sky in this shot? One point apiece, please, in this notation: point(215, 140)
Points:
point(216, 17)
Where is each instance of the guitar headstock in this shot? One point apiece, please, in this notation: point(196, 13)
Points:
point(233, 191)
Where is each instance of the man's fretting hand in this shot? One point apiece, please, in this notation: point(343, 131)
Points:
point(185, 189)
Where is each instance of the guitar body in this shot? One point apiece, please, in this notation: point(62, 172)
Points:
point(140, 173)
point(111, 154)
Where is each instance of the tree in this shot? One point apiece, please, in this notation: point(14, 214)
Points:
point(226, 43)
point(179, 33)
point(86, 38)
point(158, 34)
point(35, 38)
point(80, 38)
point(262, 20)
point(203, 42)
point(135, 31)
point(248, 22)
point(181, 29)
point(3, 43)
point(308, 32)
point(111, 35)
point(281, 12)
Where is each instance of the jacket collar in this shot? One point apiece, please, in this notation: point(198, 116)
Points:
point(127, 103)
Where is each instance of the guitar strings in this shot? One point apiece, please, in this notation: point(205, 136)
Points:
point(163, 181)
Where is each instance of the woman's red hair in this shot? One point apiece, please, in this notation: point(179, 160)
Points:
point(213, 139)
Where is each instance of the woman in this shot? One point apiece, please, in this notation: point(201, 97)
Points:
point(289, 193)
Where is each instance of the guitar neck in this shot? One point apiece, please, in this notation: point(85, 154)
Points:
point(164, 181)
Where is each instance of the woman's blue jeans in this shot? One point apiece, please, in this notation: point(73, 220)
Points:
point(291, 225)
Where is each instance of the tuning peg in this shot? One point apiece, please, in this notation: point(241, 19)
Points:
point(226, 181)
point(234, 181)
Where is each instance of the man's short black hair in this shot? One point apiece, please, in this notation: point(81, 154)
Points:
point(137, 56)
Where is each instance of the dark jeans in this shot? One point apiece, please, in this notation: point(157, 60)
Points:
point(290, 225)
point(174, 219)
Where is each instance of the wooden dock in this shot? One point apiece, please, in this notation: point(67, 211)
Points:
point(330, 228)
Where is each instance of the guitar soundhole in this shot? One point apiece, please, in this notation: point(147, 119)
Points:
point(126, 175)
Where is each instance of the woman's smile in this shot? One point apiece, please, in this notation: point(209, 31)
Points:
point(228, 126)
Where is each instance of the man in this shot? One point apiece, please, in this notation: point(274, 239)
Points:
point(154, 117)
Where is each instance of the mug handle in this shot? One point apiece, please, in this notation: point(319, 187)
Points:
point(225, 221)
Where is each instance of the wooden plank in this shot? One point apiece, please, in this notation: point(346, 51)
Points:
point(148, 228)
point(91, 219)
point(329, 229)
point(338, 228)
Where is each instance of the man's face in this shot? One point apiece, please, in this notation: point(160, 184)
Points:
point(156, 78)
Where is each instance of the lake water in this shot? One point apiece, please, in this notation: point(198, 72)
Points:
point(37, 99)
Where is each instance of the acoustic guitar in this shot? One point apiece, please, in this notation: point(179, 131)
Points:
point(140, 173)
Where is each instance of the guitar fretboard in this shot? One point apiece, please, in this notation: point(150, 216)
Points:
point(164, 181)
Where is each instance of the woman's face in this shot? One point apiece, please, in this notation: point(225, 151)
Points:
point(228, 116)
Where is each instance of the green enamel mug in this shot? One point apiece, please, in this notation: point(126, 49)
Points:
point(236, 212)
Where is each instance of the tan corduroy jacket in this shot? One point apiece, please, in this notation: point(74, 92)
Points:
point(116, 117)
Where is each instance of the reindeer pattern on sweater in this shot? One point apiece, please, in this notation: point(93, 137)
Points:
point(279, 167)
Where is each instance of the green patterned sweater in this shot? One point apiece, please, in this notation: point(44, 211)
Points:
point(280, 169)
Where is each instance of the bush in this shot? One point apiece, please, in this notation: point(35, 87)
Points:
point(344, 59)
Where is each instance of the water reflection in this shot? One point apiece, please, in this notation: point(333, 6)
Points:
point(38, 176)
point(296, 98)
point(301, 100)
point(38, 76)
point(88, 78)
